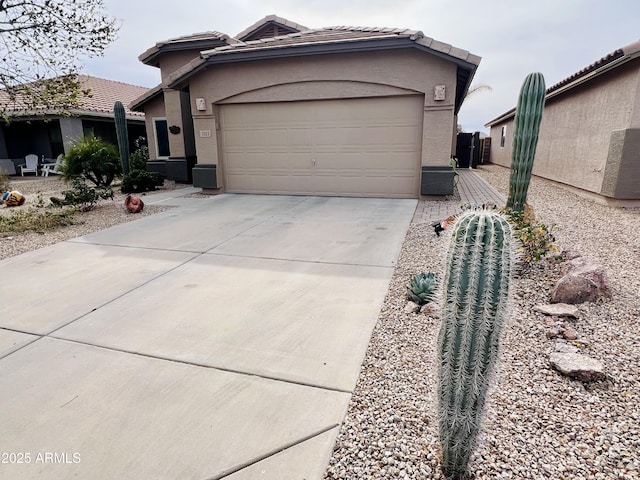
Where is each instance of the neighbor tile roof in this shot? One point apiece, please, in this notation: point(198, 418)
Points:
point(604, 64)
point(102, 96)
point(104, 93)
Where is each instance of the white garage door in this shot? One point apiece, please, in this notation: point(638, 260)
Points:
point(358, 147)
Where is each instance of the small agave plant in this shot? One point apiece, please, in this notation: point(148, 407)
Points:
point(422, 288)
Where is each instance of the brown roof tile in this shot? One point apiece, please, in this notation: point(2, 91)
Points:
point(102, 96)
point(104, 93)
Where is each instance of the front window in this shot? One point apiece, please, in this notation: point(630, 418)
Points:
point(503, 135)
point(162, 137)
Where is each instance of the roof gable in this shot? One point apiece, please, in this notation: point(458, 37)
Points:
point(195, 41)
point(268, 27)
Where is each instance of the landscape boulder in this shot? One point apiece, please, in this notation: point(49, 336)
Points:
point(578, 366)
point(558, 310)
point(584, 281)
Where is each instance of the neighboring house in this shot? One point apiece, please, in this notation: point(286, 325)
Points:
point(285, 109)
point(48, 134)
point(590, 131)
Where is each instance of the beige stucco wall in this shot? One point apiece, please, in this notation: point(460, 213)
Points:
point(153, 109)
point(350, 75)
point(172, 61)
point(576, 129)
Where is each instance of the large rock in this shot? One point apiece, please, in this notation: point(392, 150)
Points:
point(585, 281)
point(578, 366)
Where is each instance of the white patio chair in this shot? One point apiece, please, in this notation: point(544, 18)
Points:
point(48, 168)
point(31, 164)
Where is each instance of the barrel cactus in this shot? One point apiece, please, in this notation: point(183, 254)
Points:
point(422, 288)
point(525, 139)
point(475, 292)
point(122, 134)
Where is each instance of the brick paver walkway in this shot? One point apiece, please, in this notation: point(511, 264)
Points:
point(473, 190)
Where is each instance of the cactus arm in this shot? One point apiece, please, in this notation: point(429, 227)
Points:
point(122, 135)
point(525, 138)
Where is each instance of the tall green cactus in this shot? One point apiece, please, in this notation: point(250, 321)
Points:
point(525, 139)
point(475, 292)
point(123, 135)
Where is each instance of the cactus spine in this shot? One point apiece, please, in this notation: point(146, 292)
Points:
point(122, 134)
point(525, 139)
point(475, 293)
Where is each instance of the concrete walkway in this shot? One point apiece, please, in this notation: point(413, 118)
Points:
point(473, 190)
point(218, 339)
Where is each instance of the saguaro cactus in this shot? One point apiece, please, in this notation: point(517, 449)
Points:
point(525, 139)
point(122, 134)
point(475, 293)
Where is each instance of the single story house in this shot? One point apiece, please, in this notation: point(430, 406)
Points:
point(48, 133)
point(590, 131)
point(285, 109)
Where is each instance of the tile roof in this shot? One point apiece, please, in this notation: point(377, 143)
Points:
point(342, 34)
point(102, 95)
point(200, 40)
point(266, 20)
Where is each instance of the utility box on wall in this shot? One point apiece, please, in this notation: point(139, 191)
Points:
point(205, 176)
point(437, 180)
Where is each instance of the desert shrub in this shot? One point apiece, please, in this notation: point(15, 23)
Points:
point(82, 196)
point(4, 181)
point(92, 159)
point(35, 220)
point(141, 181)
point(535, 238)
point(138, 159)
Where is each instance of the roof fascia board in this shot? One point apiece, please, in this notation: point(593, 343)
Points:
point(287, 51)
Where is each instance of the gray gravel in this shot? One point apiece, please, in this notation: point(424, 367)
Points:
point(539, 425)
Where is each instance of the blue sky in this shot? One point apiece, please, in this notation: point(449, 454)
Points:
point(514, 38)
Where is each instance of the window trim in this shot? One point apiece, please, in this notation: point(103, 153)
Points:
point(154, 121)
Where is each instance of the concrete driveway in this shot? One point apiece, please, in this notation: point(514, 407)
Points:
point(219, 339)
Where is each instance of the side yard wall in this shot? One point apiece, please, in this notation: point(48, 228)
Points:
point(577, 131)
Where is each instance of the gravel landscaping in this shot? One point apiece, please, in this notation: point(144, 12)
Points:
point(539, 424)
point(105, 214)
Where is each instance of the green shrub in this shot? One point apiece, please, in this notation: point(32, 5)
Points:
point(94, 160)
point(141, 181)
point(82, 196)
point(138, 159)
point(536, 239)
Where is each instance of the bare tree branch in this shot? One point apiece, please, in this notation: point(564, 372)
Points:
point(41, 40)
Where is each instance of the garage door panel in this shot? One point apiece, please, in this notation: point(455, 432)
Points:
point(368, 147)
